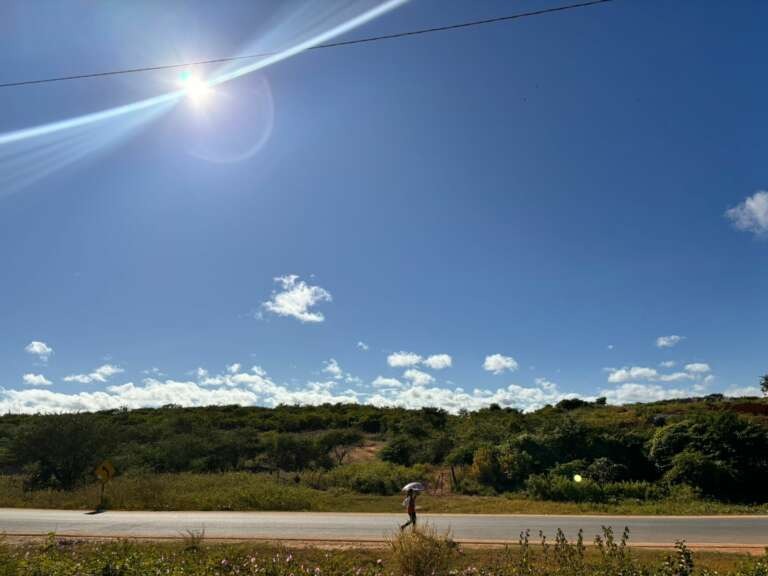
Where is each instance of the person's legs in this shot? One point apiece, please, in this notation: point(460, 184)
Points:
point(411, 522)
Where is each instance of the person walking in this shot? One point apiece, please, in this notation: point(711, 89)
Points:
point(410, 504)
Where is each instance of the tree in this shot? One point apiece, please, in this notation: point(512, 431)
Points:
point(59, 451)
point(764, 384)
point(339, 443)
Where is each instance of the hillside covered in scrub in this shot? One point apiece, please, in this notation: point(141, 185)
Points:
point(713, 447)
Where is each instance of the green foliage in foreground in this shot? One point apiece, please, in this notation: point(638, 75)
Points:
point(714, 447)
point(419, 553)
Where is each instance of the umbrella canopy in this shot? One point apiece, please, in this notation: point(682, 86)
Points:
point(416, 486)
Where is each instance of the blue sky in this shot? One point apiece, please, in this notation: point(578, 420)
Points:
point(513, 213)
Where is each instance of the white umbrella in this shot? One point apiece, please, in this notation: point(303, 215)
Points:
point(415, 486)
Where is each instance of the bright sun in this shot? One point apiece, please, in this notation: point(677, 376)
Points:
point(195, 87)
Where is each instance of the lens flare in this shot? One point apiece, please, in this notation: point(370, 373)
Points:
point(195, 88)
point(577, 478)
point(29, 154)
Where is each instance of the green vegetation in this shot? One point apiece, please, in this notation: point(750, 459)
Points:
point(247, 491)
point(421, 553)
point(688, 456)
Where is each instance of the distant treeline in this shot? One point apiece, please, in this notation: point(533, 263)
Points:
point(712, 446)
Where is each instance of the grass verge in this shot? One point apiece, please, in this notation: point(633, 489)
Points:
point(243, 491)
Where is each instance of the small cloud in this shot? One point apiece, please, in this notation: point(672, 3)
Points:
point(634, 373)
point(100, 374)
point(667, 364)
point(669, 341)
point(234, 368)
point(752, 214)
point(675, 377)
point(438, 361)
point(698, 368)
point(417, 377)
point(382, 382)
point(498, 364)
point(362, 346)
point(610, 346)
point(332, 367)
point(36, 380)
point(39, 349)
point(296, 299)
point(403, 359)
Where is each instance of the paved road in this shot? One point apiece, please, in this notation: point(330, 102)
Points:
point(725, 531)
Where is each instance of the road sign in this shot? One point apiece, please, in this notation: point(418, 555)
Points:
point(105, 471)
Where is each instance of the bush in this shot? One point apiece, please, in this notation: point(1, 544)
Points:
point(375, 477)
point(564, 489)
point(422, 552)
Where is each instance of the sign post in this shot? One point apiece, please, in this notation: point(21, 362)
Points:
point(104, 472)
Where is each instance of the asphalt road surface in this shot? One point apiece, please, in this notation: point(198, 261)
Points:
point(715, 531)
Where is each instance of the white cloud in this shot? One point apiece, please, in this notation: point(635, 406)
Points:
point(736, 391)
point(100, 374)
point(39, 349)
point(438, 361)
point(36, 380)
point(382, 382)
point(667, 364)
point(633, 392)
point(296, 299)
point(332, 367)
point(546, 384)
point(498, 364)
point(752, 214)
point(234, 368)
point(675, 377)
point(403, 359)
point(698, 368)
point(453, 400)
point(417, 377)
point(634, 373)
point(669, 341)
point(362, 346)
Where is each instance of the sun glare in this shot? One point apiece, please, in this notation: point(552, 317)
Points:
point(197, 89)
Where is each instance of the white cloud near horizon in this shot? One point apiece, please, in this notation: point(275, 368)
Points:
point(417, 377)
point(619, 375)
point(751, 215)
point(403, 359)
point(438, 361)
point(382, 382)
point(669, 341)
point(296, 299)
point(498, 364)
point(256, 388)
point(31, 379)
point(332, 367)
point(39, 349)
point(631, 392)
point(698, 367)
point(100, 374)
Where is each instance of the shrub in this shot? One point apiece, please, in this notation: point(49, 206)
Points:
point(422, 552)
point(564, 489)
point(371, 477)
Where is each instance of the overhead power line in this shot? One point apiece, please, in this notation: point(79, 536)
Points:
point(318, 47)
